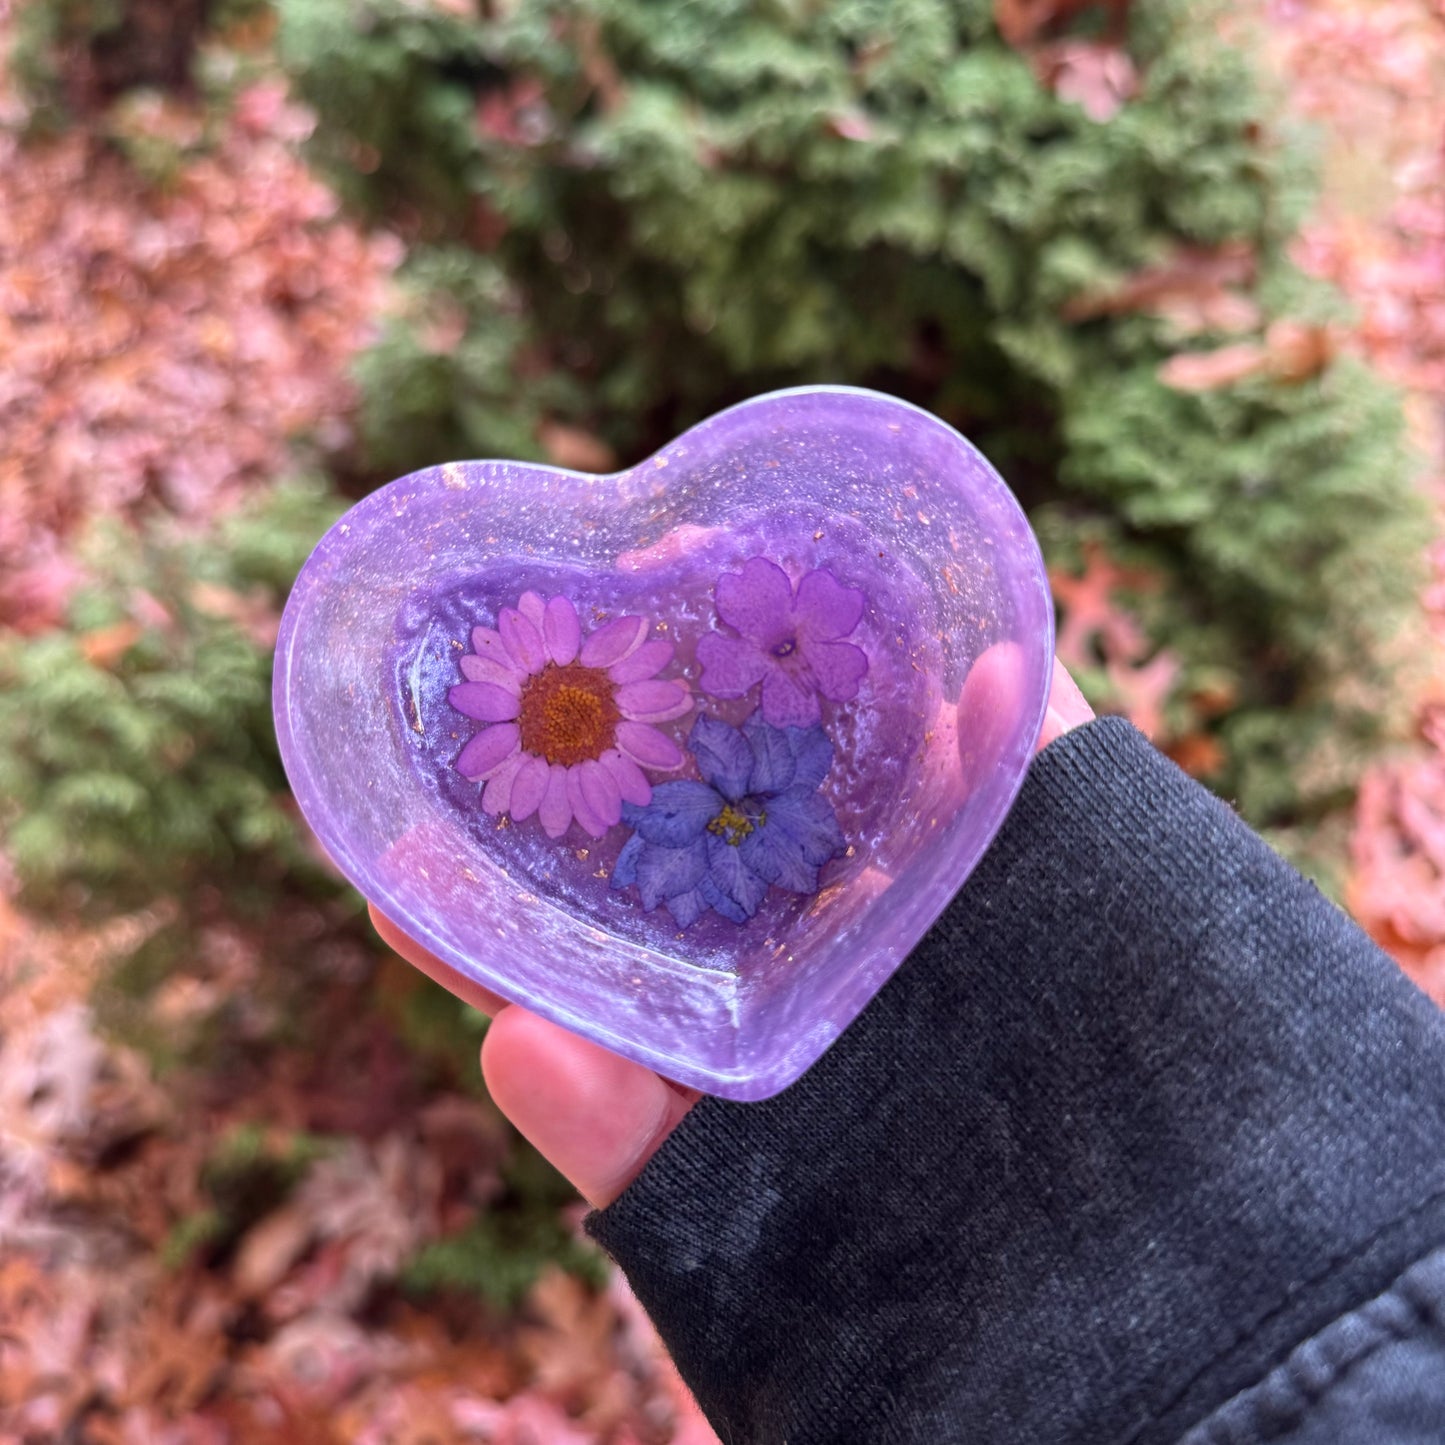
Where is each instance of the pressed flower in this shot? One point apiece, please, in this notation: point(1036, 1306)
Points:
point(755, 820)
point(569, 720)
point(789, 641)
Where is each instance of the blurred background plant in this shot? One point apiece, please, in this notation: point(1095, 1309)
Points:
point(257, 258)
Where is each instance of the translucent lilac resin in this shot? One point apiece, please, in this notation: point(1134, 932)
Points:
point(689, 757)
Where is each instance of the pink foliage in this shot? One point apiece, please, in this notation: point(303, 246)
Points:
point(1397, 886)
point(1373, 72)
point(165, 344)
point(1096, 627)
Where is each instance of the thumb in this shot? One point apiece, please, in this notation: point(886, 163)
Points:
point(597, 1117)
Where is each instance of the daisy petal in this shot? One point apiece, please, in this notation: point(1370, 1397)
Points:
point(653, 701)
point(488, 751)
point(523, 641)
point(484, 669)
point(613, 641)
point(561, 631)
point(485, 701)
point(586, 815)
point(601, 790)
point(826, 609)
point(498, 792)
point(758, 601)
point(632, 785)
point(646, 662)
point(528, 786)
point(555, 810)
point(730, 666)
point(487, 642)
point(531, 606)
point(837, 668)
point(785, 704)
point(644, 744)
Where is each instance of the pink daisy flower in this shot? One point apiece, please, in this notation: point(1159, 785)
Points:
point(569, 719)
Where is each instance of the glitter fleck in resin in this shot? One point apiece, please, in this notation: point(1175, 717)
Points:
point(689, 757)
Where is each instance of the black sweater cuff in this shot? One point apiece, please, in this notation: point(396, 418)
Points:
point(1142, 1112)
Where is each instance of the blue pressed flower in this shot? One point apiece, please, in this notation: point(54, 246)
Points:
point(755, 820)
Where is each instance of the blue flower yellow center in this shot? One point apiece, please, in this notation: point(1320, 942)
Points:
point(732, 826)
point(786, 648)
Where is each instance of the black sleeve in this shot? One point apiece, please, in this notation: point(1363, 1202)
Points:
point(1141, 1114)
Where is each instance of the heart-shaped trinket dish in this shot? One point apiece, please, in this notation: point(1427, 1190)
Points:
point(689, 757)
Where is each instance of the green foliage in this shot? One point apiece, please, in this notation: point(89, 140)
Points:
point(249, 1172)
point(73, 57)
point(1285, 520)
point(631, 220)
point(137, 755)
point(502, 1252)
point(47, 37)
point(402, 106)
point(249, 1163)
point(441, 380)
point(442, 1032)
point(191, 1236)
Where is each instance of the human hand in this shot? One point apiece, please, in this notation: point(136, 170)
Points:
point(596, 1116)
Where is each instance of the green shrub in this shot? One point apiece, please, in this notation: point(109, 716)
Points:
point(137, 755)
point(500, 1255)
point(139, 772)
point(140, 776)
point(440, 382)
point(73, 57)
point(641, 221)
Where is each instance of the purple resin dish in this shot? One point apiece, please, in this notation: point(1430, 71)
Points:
point(686, 758)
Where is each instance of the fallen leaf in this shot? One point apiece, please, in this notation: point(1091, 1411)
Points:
point(1091, 617)
point(269, 1249)
point(1021, 22)
point(1097, 78)
point(1199, 754)
point(1296, 351)
point(1198, 288)
point(1140, 692)
point(575, 449)
point(105, 646)
point(1209, 370)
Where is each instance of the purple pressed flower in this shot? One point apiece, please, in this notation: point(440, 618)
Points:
point(569, 719)
point(791, 642)
point(755, 820)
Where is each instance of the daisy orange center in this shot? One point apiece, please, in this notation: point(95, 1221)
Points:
point(568, 714)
